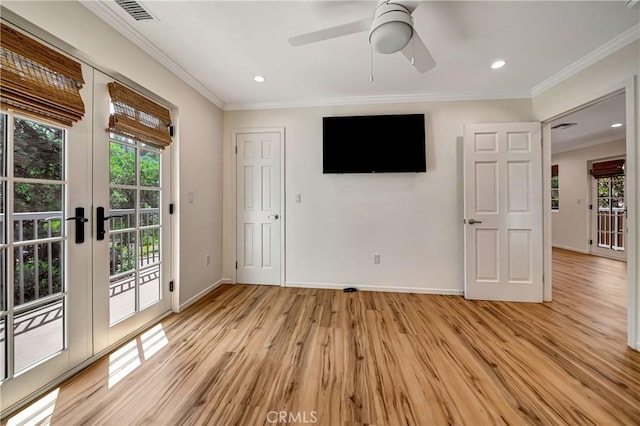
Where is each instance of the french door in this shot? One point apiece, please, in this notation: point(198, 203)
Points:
point(65, 297)
point(132, 233)
point(608, 217)
point(45, 314)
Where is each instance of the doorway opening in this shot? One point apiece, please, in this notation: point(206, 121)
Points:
point(589, 191)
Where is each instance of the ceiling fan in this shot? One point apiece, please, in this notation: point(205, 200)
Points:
point(390, 31)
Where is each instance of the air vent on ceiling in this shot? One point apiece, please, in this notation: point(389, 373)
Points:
point(563, 126)
point(135, 9)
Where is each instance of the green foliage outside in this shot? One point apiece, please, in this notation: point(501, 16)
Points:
point(38, 154)
point(611, 192)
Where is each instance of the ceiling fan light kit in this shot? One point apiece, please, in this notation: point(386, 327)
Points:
point(391, 28)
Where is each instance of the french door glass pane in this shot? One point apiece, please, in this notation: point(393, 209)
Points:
point(38, 271)
point(38, 150)
point(122, 164)
point(122, 208)
point(149, 168)
point(149, 208)
point(122, 252)
point(38, 334)
point(149, 247)
point(122, 297)
point(37, 211)
point(149, 286)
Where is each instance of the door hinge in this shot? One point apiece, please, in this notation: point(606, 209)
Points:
point(590, 206)
point(236, 149)
point(236, 264)
point(171, 131)
point(590, 242)
point(171, 285)
point(171, 208)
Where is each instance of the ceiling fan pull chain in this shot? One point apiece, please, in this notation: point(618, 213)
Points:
point(371, 64)
point(413, 51)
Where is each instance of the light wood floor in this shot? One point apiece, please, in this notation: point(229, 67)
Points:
point(380, 358)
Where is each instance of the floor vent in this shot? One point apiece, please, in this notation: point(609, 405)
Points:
point(134, 9)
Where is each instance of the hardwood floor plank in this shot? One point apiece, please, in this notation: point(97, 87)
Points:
point(247, 355)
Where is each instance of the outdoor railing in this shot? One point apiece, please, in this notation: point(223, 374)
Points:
point(32, 282)
point(611, 227)
point(45, 225)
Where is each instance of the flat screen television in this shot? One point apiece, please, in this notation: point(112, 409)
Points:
point(374, 144)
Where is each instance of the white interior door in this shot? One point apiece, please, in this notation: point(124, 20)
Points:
point(131, 260)
point(259, 215)
point(503, 212)
point(44, 178)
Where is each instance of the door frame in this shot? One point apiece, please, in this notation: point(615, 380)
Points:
point(628, 87)
point(234, 183)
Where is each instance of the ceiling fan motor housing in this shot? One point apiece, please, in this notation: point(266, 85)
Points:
point(391, 28)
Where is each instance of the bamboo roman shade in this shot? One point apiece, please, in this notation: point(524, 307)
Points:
point(37, 80)
point(607, 169)
point(554, 170)
point(138, 118)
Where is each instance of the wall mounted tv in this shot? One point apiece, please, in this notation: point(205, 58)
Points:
point(374, 144)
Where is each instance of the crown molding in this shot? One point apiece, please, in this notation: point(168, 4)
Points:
point(613, 45)
point(105, 13)
point(372, 100)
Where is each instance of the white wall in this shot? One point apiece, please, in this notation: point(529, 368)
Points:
point(571, 224)
point(414, 221)
point(606, 75)
point(199, 131)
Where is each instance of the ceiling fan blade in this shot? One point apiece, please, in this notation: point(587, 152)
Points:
point(329, 33)
point(418, 54)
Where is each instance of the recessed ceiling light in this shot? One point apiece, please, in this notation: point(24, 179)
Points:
point(498, 64)
point(616, 125)
point(259, 78)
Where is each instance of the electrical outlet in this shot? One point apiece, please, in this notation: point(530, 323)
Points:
point(376, 259)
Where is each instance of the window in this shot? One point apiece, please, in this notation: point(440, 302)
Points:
point(555, 194)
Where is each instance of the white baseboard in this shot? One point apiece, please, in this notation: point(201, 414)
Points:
point(376, 288)
point(203, 293)
point(571, 249)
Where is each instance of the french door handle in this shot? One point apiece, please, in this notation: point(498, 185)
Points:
point(273, 216)
point(80, 221)
point(100, 220)
point(473, 221)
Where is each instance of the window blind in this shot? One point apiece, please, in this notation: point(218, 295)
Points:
point(554, 170)
point(138, 118)
point(38, 80)
point(607, 169)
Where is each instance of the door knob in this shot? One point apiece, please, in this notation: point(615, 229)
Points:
point(273, 216)
point(473, 221)
point(80, 221)
point(100, 220)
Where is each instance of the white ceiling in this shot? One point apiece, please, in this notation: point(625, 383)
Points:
point(593, 125)
point(218, 47)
